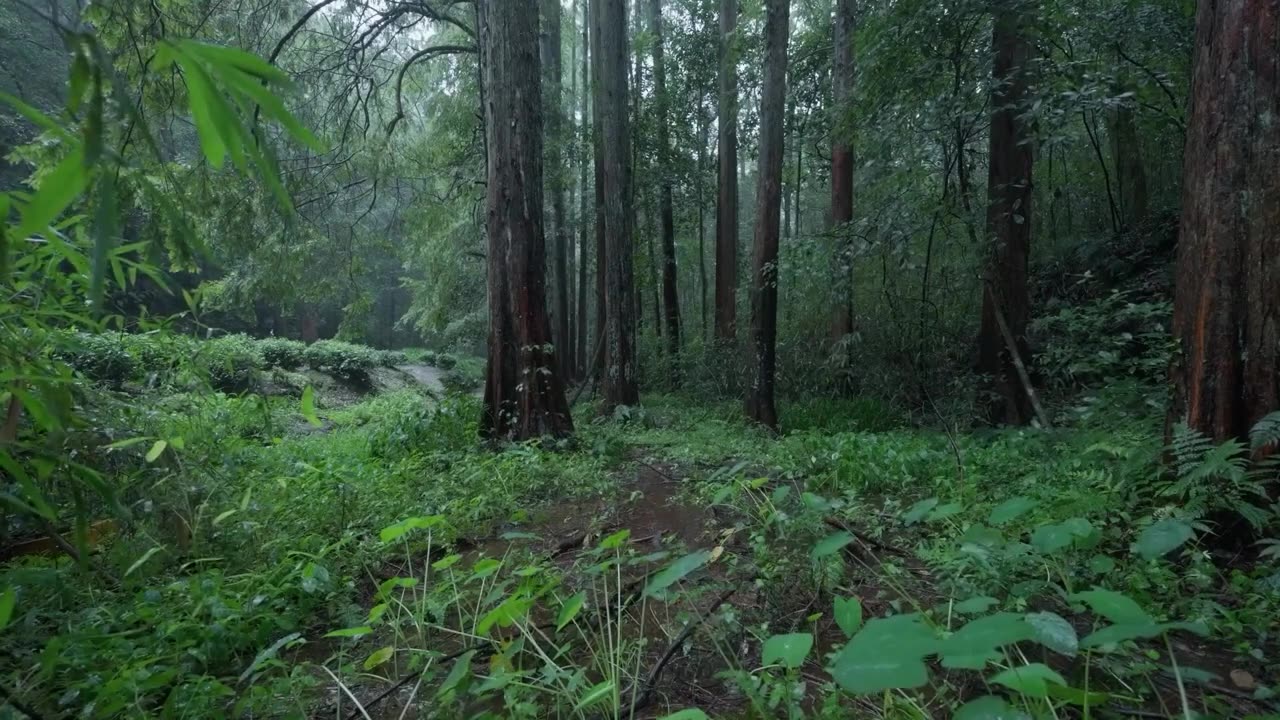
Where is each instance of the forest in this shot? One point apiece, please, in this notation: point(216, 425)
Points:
point(640, 359)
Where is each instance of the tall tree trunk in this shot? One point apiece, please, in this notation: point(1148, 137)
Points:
point(585, 140)
point(616, 180)
point(1226, 310)
point(699, 182)
point(555, 177)
point(841, 173)
point(670, 290)
point(1131, 176)
point(727, 188)
point(524, 392)
point(1008, 219)
point(597, 144)
point(572, 163)
point(764, 289)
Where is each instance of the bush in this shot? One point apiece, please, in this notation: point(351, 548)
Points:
point(392, 358)
point(430, 357)
point(103, 358)
point(282, 352)
point(1097, 343)
point(231, 363)
point(343, 360)
point(459, 381)
point(445, 361)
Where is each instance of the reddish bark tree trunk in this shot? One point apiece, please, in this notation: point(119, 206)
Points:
point(764, 289)
point(1226, 312)
point(615, 183)
point(551, 73)
point(842, 173)
point(599, 361)
point(582, 343)
point(726, 314)
point(524, 393)
point(666, 210)
point(1008, 220)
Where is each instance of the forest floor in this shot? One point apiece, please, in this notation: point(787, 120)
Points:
point(857, 566)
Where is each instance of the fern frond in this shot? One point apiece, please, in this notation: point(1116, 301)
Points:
point(1266, 432)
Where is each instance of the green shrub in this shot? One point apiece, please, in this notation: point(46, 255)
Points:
point(103, 358)
point(445, 361)
point(343, 360)
point(282, 352)
point(161, 355)
point(430, 357)
point(392, 358)
point(1097, 343)
point(231, 363)
point(459, 381)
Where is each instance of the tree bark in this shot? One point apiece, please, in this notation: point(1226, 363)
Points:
point(552, 111)
point(841, 173)
point(1226, 312)
point(585, 140)
point(666, 210)
point(726, 314)
point(1008, 218)
point(615, 181)
point(524, 393)
point(597, 141)
point(1131, 176)
point(764, 291)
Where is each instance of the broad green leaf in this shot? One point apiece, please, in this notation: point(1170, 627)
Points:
point(1078, 697)
point(309, 407)
point(142, 560)
point(686, 714)
point(570, 609)
point(221, 57)
point(351, 632)
point(973, 645)
point(676, 571)
point(1113, 606)
point(1010, 509)
point(945, 511)
point(7, 600)
point(508, 612)
point(484, 567)
point(1032, 680)
point(378, 657)
point(205, 103)
point(1101, 564)
point(788, 650)
point(156, 449)
point(919, 511)
point(460, 670)
point(1054, 632)
point(386, 586)
point(848, 614)
point(1051, 538)
point(447, 561)
point(596, 694)
point(973, 605)
point(1163, 537)
point(832, 544)
point(615, 540)
point(376, 613)
point(57, 191)
point(888, 653)
point(989, 707)
point(391, 533)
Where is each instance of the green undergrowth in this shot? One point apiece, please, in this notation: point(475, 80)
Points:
point(297, 557)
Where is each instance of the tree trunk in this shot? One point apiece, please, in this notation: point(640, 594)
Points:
point(524, 393)
point(582, 344)
point(597, 144)
point(1131, 176)
point(552, 111)
point(1008, 219)
point(764, 290)
point(841, 173)
point(727, 190)
point(615, 181)
point(670, 290)
point(1226, 311)
point(703, 131)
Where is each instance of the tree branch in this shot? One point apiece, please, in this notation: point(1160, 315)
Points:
point(420, 55)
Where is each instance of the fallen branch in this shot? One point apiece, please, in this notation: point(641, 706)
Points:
point(867, 540)
point(646, 693)
point(1016, 357)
